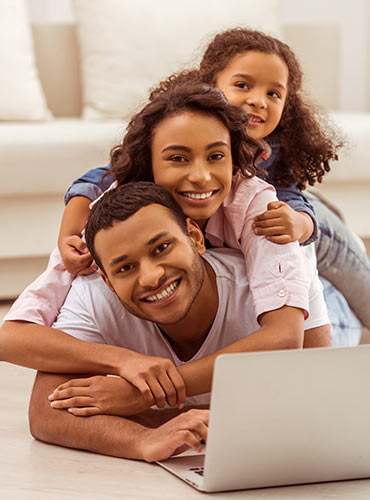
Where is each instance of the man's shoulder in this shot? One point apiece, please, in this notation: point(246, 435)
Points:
point(227, 263)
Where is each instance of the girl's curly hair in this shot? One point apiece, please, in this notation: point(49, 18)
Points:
point(307, 141)
point(132, 160)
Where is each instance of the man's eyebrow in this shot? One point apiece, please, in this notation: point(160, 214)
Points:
point(121, 258)
point(273, 84)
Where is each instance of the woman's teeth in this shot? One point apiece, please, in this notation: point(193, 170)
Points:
point(198, 196)
point(167, 292)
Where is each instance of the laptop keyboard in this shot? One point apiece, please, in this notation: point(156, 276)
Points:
point(197, 470)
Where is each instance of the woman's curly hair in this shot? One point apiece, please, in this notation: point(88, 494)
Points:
point(307, 141)
point(132, 160)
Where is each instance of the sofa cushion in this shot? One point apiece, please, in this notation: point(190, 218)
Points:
point(21, 96)
point(127, 47)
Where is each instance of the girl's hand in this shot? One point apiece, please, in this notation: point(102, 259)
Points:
point(281, 224)
point(97, 396)
point(76, 257)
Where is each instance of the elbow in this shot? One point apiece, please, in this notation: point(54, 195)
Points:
point(291, 339)
point(4, 341)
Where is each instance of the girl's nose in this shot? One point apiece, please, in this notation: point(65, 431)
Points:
point(199, 174)
point(150, 274)
point(256, 100)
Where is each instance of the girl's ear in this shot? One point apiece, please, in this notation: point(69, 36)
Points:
point(196, 235)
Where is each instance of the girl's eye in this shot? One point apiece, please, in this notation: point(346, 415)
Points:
point(162, 247)
point(216, 156)
point(241, 85)
point(272, 93)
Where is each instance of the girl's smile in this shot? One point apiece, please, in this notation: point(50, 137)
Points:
point(191, 158)
point(258, 83)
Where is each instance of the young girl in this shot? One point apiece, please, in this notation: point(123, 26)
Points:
point(261, 75)
point(193, 142)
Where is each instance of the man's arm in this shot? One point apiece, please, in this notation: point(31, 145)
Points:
point(280, 329)
point(111, 435)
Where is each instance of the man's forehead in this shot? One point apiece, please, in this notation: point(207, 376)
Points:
point(137, 232)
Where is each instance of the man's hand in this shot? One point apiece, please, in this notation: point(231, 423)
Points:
point(185, 431)
point(156, 378)
point(76, 257)
point(98, 395)
point(281, 224)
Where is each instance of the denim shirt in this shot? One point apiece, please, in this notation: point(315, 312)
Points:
point(93, 184)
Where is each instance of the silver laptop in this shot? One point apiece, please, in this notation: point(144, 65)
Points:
point(284, 417)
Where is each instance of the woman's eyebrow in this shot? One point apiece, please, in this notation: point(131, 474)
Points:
point(217, 143)
point(176, 147)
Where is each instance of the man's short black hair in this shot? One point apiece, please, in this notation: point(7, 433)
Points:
point(120, 203)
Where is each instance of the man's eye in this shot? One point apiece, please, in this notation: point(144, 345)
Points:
point(162, 247)
point(242, 85)
point(216, 156)
point(125, 268)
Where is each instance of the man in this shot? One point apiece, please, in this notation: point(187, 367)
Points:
point(181, 304)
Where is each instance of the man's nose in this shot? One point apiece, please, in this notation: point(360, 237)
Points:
point(199, 173)
point(150, 273)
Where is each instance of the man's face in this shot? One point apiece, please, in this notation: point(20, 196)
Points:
point(153, 267)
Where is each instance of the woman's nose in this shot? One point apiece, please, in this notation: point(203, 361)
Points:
point(199, 174)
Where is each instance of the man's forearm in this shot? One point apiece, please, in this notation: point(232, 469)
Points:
point(50, 350)
point(281, 329)
point(105, 434)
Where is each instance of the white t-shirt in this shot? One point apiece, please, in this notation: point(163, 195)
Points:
point(92, 312)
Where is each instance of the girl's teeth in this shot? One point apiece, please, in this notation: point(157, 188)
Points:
point(167, 292)
point(198, 196)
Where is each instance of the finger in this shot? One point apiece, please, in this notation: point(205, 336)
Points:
point(281, 239)
point(88, 270)
point(144, 388)
point(179, 384)
point(85, 412)
point(191, 439)
point(78, 244)
point(157, 391)
point(270, 231)
point(69, 393)
point(169, 389)
point(274, 221)
point(80, 401)
point(75, 382)
point(273, 205)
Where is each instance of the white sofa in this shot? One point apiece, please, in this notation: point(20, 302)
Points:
point(40, 159)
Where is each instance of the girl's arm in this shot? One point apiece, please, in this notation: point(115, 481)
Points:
point(87, 188)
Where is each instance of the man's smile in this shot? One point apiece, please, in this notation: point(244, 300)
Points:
point(163, 293)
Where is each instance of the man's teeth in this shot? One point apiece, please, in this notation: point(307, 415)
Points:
point(198, 196)
point(167, 292)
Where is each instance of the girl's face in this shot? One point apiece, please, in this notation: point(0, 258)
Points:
point(191, 158)
point(258, 83)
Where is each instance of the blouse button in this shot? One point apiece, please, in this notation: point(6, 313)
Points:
point(282, 293)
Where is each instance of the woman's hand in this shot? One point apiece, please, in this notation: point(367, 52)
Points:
point(281, 224)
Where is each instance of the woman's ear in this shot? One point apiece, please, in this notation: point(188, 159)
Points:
point(196, 235)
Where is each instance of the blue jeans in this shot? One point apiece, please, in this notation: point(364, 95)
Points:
point(342, 261)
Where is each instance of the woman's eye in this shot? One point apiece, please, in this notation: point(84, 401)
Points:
point(177, 158)
point(242, 85)
point(216, 156)
point(162, 247)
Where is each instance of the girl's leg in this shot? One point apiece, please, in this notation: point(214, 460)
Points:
point(342, 261)
point(345, 327)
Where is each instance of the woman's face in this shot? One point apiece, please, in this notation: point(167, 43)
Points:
point(191, 158)
point(258, 83)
